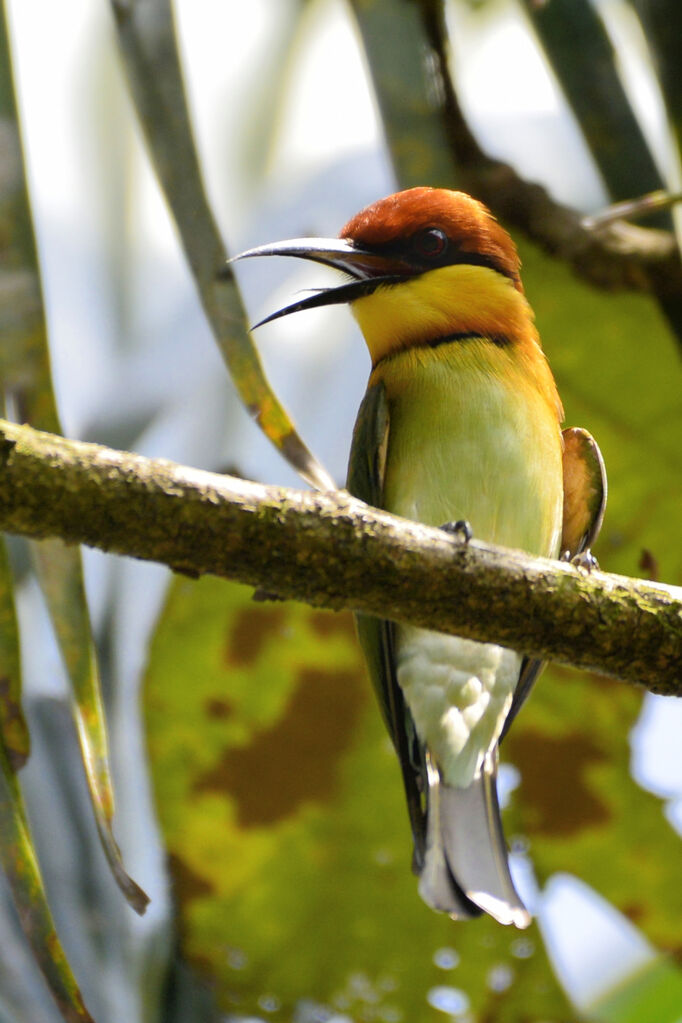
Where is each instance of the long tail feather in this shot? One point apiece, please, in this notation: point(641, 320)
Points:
point(466, 870)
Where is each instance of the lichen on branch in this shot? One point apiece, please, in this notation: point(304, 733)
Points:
point(332, 550)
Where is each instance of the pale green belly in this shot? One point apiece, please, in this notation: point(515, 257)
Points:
point(467, 443)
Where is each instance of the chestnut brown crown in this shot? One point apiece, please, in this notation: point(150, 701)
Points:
point(422, 228)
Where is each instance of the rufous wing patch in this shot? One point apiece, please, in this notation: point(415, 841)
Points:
point(584, 490)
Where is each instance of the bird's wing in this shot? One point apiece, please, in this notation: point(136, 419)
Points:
point(585, 491)
point(365, 480)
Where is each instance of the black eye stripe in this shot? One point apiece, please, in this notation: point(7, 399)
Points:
point(479, 259)
point(405, 251)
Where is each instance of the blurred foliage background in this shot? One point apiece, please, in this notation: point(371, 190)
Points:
point(258, 802)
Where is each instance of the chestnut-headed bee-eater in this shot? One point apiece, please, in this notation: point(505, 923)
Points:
point(460, 424)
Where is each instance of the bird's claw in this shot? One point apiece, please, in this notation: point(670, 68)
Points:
point(460, 529)
point(584, 559)
point(261, 596)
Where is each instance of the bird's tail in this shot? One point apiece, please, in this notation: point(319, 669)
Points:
point(466, 870)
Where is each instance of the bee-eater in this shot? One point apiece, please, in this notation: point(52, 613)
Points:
point(460, 424)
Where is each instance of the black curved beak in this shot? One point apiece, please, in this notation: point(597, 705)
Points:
point(367, 269)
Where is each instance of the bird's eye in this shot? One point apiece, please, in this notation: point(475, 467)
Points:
point(431, 243)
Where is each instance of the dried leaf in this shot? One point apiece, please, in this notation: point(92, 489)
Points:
point(21, 868)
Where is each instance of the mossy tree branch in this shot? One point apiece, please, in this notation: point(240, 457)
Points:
point(331, 550)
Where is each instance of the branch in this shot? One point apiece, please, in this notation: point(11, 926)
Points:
point(331, 550)
point(614, 256)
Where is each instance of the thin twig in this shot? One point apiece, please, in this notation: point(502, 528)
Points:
point(632, 209)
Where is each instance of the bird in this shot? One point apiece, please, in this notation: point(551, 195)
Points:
point(459, 428)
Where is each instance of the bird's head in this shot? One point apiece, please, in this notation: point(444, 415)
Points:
point(422, 264)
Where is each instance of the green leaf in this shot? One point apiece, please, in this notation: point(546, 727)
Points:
point(654, 993)
point(580, 52)
point(20, 865)
point(26, 376)
point(582, 57)
point(61, 579)
point(152, 64)
point(579, 807)
point(620, 376)
point(400, 61)
point(662, 22)
point(13, 728)
point(282, 808)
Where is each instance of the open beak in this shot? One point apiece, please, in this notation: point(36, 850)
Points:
point(367, 269)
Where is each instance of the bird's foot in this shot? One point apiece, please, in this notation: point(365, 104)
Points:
point(461, 529)
point(261, 596)
point(585, 560)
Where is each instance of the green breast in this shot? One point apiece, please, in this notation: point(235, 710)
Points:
point(471, 438)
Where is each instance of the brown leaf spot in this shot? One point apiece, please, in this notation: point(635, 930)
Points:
point(15, 734)
point(555, 788)
point(635, 911)
point(9, 708)
point(250, 632)
point(16, 758)
point(188, 884)
point(331, 623)
point(218, 708)
point(294, 761)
